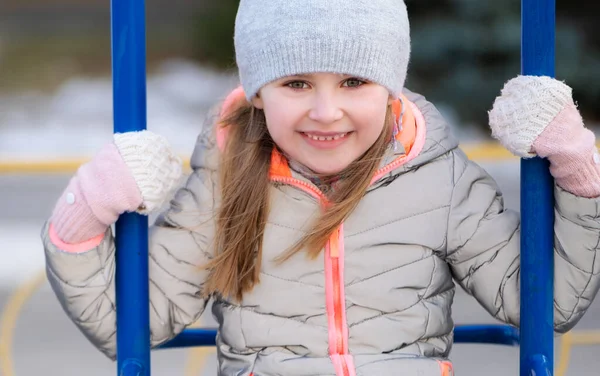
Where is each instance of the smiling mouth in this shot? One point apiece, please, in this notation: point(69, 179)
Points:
point(330, 137)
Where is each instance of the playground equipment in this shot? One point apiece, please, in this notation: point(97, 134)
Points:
point(536, 338)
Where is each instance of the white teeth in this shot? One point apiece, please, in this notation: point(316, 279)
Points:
point(328, 138)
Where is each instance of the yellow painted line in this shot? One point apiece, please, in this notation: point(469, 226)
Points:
point(491, 151)
point(590, 337)
point(570, 339)
point(8, 320)
point(197, 360)
point(564, 354)
point(197, 357)
point(56, 166)
point(49, 167)
point(488, 151)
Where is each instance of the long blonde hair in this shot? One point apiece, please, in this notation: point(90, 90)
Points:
point(244, 184)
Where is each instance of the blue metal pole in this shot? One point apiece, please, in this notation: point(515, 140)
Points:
point(128, 53)
point(490, 334)
point(537, 207)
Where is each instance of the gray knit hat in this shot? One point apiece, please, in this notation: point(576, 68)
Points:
point(366, 38)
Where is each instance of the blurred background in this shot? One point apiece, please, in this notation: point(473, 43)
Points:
point(56, 112)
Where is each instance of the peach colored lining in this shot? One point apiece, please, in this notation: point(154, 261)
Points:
point(415, 148)
point(74, 248)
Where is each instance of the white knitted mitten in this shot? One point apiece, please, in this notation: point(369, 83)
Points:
point(154, 166)
point(527, 105)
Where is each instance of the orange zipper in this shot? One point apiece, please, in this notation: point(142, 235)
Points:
point(338, 306)
point(307, 187)
point(384, 170)
point(334, 252)
point(337, 298)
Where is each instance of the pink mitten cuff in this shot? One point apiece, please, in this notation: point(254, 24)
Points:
point(101, 190)
point(571, 150)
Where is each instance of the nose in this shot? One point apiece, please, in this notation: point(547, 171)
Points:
point(325, 109)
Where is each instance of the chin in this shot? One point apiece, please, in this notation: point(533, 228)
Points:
point(330, 170)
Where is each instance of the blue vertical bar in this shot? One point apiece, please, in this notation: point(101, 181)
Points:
point(128, 37)
point(537, 206)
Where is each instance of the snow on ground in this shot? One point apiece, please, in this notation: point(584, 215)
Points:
point(76, 120)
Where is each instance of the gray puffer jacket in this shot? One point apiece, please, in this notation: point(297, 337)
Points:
point(378, 299)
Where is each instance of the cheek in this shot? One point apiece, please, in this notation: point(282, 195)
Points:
point(279, 125)
point(372, 121)
point(372, 111)
point(284, 114)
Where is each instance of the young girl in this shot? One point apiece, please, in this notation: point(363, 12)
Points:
point(329, 211)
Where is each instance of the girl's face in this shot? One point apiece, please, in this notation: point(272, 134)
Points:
point(324, 121)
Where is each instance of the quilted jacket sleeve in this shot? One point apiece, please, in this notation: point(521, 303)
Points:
point(483, 247)
point(179, 243)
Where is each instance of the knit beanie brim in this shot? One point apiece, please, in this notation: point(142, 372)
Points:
point(369, 39)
